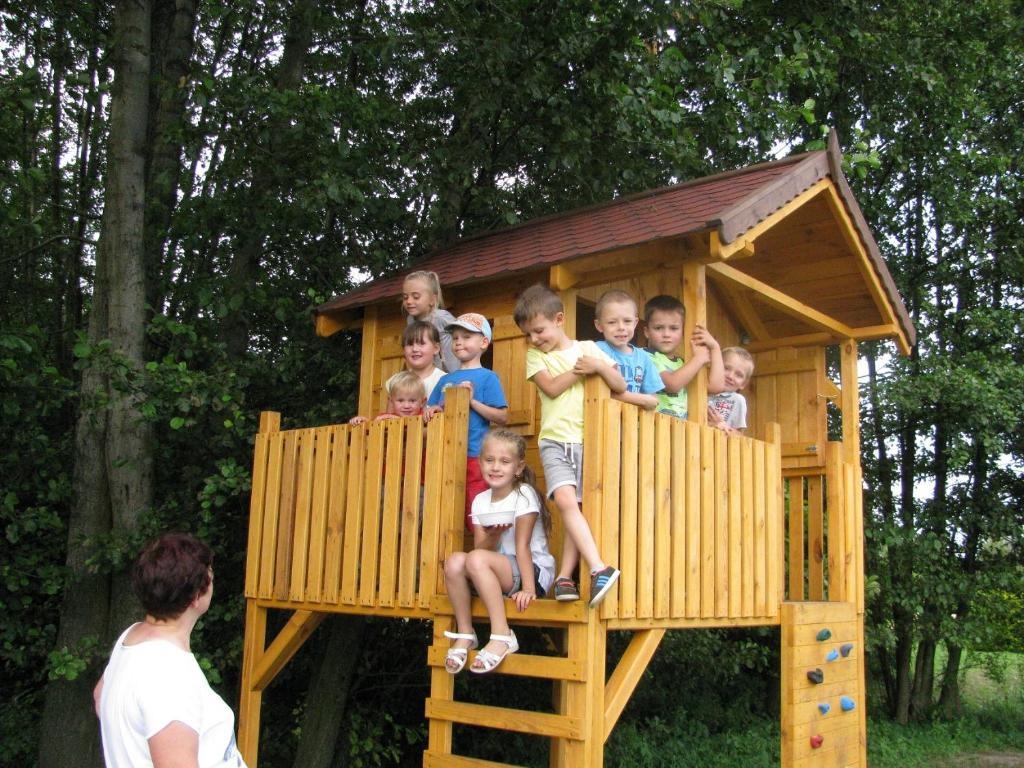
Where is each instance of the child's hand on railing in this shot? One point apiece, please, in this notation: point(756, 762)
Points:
point(522, 598)
point(428, 412)
point(355, 421)
point(586, 365)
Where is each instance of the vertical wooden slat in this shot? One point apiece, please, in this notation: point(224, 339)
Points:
point(722, 541)
point(734, 499)
point(761, 552)
point(694, 532)
point(707, 522)
point(304, 470)
point(254, 645)
point(286, 515)
point(392, 477)
point(368, 561)
point(611, 474)
point(629, 579)
point(677, 516)
point(752, 495)
point(815, 538)
point(835, 544)
point(858, 482)
point(272, 505)
point(336, 505)
point(795, 519)
point(769, 485)
point(412, 489)
point(696, 305)
point(645, 513)
point(318, 513)
point(850, 542)
point(430, 546)
point(357, 478)
point(595, 394)
point(452, 456)
point(257, 498)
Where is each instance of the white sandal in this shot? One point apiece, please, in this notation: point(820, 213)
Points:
point(489, 661)
point(459, 655)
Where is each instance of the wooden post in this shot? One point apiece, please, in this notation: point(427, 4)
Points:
point(370, 355)
point(696, 304)
point(850, 402)
point(251, 698)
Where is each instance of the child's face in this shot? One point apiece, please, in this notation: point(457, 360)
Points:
point(618, 323)
point(417, 298)
point(665, 330)
point(468, 346)
point(405, 403)
point(419, 354)
point(737, 372)
point(500, 463)
point(545, 333)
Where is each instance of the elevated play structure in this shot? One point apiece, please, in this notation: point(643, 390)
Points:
point(708, 530)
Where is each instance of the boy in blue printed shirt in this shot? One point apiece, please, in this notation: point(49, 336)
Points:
point(615, 316)
point(471, 335)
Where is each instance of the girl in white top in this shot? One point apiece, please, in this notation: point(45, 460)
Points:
point(421, 300)
point(155, 706)
point(507, 560)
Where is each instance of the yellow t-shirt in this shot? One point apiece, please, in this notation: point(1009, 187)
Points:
point(561, 418)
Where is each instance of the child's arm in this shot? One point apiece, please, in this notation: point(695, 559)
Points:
point(716, 376)
point(496, 414)
point(553, 386)
point(675, 381)
point(647, 402)
point(587, 365)
point(487, 538)
point(357, 420)
point(524, 532)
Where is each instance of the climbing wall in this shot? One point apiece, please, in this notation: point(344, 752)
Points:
point(822, 686)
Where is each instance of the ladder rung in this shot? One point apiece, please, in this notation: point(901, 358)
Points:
point(522, 665)
point(519, 720)
point(438, 760)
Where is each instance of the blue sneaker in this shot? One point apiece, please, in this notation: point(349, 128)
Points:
point(600, 583)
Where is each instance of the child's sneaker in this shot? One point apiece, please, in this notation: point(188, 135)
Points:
point(600, 583)
point(566, 590)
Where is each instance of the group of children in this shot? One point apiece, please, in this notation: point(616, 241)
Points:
point(513, 560)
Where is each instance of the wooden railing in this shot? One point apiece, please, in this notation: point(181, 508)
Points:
point(357, 517)
point(693, 517)
point(825, 527)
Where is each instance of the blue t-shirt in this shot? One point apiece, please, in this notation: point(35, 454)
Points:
point(486, 389)
point(636, 367)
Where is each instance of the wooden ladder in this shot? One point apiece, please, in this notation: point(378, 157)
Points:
point(586, 707)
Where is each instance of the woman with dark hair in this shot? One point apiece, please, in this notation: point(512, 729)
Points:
point(155, 705)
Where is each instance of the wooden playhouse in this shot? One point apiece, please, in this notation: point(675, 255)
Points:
point(708, 530)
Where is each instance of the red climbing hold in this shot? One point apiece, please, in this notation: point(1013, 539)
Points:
point(817, 740)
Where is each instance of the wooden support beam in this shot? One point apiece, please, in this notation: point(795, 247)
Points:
point(251, 697)
point(288, 641)
point(518, 720)
point(330, 324)
point(850, 403)
point(627, 674)
point(562, 278)
point(695, 301)
point(368, 373)
point(744, 311)
point(803, 340)
point(781, 301)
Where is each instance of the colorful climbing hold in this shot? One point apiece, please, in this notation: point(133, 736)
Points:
point(817, 740)
point(824, 707)
point(824, 634)
point(832, 655)
point(846, 703)
point(845, 649)
point(816, 676)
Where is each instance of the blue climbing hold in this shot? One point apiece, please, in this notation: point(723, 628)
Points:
point(824, 635)
point(832, 655)
point(845, 649)
point(824, 707)
point(846, 703)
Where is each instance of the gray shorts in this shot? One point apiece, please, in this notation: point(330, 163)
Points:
point(517, 578)
point(563, 465)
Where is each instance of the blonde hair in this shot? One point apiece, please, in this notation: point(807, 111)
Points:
point(433, 284)
point(613, 296)
point(742, 354)
point(528, 476)
point(406, 382)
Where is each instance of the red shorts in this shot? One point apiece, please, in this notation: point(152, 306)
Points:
point(475, 485)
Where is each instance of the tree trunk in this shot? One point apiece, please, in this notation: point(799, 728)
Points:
point(328, 693)
point(950, 706)
point(113, 451)
point(923, 691)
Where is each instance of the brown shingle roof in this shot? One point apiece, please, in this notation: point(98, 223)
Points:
point(731, 203)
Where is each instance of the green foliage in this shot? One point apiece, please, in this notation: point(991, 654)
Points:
point(997, 621)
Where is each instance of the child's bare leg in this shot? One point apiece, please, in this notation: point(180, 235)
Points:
point(456, 582)
point(576, 528)
point(570, 557)
point(491, 573)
